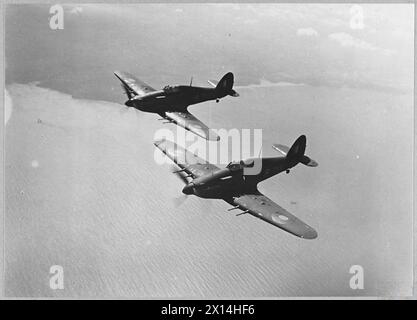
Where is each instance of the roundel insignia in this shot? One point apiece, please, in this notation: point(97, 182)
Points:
point(279, 218)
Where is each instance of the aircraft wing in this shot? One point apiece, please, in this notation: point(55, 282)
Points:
point(264, 208)
point(135, 85)
point(192, 165)
point(191, 123)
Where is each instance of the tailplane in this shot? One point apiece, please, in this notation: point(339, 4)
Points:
point(296, 152)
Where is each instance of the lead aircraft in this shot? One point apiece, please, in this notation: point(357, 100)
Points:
point(232, 185)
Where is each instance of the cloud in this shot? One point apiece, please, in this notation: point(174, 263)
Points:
point(267, 84)
point(7, 106)
point(250, 21)
point(309, 32)
point(346, 40)
point(76, 10)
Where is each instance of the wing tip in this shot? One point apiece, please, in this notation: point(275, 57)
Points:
point(117, 74)
point(214, 138)
point(310, 234)
point(121, 74)
point(158, 142)
point(210, 135)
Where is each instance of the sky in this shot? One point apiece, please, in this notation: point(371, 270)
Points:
point(314, 44)
point(83, 190)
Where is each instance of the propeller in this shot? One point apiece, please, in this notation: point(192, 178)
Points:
point(124, 110)
point(138, 113)
point(178, 201)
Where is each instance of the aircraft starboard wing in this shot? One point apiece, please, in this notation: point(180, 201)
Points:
point(264, 208)
point(186, 160)
point(134, 84)
point(191, 123)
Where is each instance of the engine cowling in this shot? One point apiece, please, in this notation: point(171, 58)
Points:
point(232, 168)
point(206, 180)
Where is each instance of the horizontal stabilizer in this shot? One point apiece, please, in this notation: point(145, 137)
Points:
point(304, 159)
point(309, 162)
point(281, 148)
point(213, 83)
point(233, 93)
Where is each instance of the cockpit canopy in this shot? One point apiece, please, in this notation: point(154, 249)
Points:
point(235, 166)
point(170, 89)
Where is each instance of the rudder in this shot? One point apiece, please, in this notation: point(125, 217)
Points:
point(225, 85)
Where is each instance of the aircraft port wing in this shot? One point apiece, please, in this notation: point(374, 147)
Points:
point(186, 160)
point(133, 84)
point(264, 208)
point(191, 123)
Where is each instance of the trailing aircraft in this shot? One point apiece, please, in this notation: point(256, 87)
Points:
point(172, 102)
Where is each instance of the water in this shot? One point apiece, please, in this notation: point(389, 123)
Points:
point(97, 204)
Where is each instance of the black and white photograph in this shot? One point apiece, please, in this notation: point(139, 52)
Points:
point(208, 150)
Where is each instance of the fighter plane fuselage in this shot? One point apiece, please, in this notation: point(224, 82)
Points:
point(174, 98)
point(230, 182)
point(234, 180)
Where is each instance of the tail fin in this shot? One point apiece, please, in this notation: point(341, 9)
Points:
point(296, 152)
point(225, 85)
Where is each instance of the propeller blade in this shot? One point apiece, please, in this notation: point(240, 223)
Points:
point(178, 201)
point(124, 110)
point(137, 114)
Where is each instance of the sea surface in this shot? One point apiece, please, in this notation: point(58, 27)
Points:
point(83, 191)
